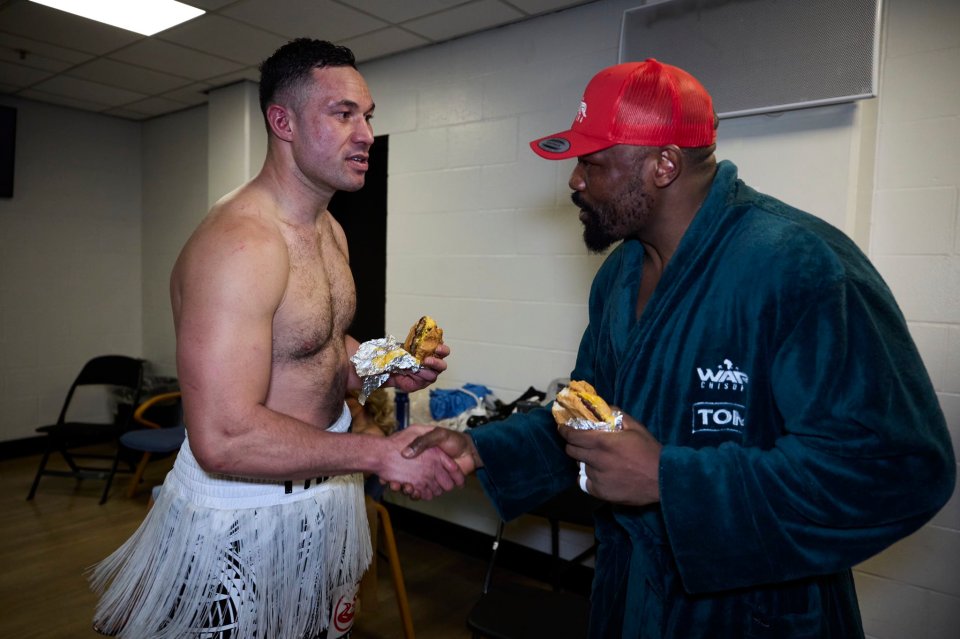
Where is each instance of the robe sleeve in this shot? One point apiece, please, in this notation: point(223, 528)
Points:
point(524, 459)
point(863, 460)
point(524, 462)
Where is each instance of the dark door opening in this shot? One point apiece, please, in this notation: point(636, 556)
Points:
point(363, 216)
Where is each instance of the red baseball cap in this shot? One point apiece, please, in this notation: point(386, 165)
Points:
point(645, 103)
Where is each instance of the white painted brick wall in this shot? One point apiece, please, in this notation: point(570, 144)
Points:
point(174, 153)
point(70, 238)
point(915, 221)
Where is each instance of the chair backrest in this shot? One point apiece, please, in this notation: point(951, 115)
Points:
point(110, 370)
point(160, 411)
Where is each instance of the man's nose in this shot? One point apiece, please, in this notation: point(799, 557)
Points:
point(576, 181)
point(364, 132)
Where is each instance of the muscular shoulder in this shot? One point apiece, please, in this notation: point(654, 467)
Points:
point(243, 221)
point(237, 248)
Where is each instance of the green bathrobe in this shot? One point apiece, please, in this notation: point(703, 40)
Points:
point(801, 432)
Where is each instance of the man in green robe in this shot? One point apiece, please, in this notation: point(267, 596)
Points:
point(779, 425)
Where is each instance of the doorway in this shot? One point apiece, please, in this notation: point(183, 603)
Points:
point(363, 216)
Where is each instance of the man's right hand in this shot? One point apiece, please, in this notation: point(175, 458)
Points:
point(458, 446)
point(420, 477)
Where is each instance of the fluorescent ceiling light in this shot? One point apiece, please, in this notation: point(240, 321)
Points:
point(142, 16)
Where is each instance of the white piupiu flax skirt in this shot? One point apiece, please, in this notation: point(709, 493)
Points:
point(222, 557)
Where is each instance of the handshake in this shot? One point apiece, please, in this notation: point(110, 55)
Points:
point(451, 455)
point(426, 462)
point(618, 457)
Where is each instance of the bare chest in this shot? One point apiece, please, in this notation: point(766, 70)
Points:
point(319, 302)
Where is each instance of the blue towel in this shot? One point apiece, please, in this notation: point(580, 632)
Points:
point(446, 403)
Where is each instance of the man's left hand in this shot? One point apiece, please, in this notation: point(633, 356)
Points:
point(622, 467)
point(429, 371)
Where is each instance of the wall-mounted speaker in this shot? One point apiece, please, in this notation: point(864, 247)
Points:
point(8, 146)
point(760, 56)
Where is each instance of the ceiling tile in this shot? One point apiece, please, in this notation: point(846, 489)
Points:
point(468, 18)
point(45, 49)
point(127, 76)
point(249, 73)
point(33, 61)
point(41, 23)
point(192, 94)
point(20, 75)
point(53, 98)
point(384, 42)
point(88, 91)
point(155, 106)
point(225, 37)
point(77, 62)
point(326, 20)
point(172, 58)
point(208, 5)
point(393, 11)
point(534, 7)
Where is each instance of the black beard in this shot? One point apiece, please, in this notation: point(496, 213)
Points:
point(596, 238)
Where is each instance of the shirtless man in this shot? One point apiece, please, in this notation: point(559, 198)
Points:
point(265, 501)
point(262, 297)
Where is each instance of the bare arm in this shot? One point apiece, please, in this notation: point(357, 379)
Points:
point(226, 289)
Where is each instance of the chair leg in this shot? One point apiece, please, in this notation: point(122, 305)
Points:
point(391, 543)
point(113, 471)
point(138, 476)
point(367, 593)
point(36, 480)
point(67, 457)
point(555, 552)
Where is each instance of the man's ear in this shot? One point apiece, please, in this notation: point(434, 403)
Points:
point(278, 117)
point(669, 165)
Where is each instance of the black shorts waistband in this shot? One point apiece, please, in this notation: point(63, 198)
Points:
point(288, 485)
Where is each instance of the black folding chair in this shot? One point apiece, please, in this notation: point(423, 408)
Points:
point(521, 611)
point(71, 438)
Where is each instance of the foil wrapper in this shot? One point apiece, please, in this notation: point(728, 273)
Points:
point(377, 359)
point(580, 423)
point(585, 424)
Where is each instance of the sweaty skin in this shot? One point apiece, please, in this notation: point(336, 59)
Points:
point(262, 296)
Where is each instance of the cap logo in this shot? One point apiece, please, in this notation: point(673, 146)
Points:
point(582, 111)
point(554, 145)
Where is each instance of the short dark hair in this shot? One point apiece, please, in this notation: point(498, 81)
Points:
point(292, 63)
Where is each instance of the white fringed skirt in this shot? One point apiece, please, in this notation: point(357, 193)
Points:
point(221, 557)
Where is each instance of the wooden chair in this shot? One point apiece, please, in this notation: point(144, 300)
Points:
point(164, 432)
point(379, 519)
